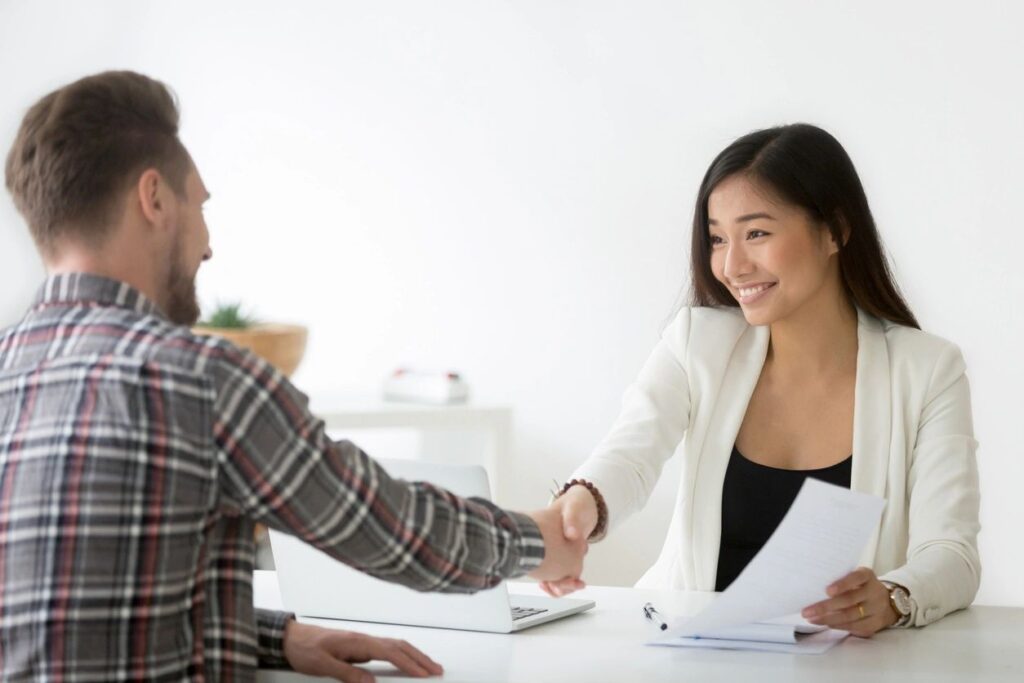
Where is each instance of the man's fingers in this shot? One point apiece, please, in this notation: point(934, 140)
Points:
point(389, 650)
point(552, 589)
point(564, 586)
point(421, 657)
point(342, 671)
point(405, 663)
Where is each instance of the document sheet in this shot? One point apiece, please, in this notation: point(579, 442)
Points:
point(818, 541)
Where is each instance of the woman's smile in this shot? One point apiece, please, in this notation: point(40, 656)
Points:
point(753, 293)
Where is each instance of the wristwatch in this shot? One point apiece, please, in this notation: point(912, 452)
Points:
point(899, 600)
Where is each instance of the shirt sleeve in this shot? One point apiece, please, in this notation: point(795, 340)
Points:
point(270, 626)
point(279, 468)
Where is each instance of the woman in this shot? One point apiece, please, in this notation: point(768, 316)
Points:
point(797, 358)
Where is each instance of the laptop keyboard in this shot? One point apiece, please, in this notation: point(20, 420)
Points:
point(523, 612)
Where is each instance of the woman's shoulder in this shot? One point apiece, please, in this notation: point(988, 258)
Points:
point(691, 319)
point(922, 352)
point(912, 341)
point(713, 318)
point(704, 329)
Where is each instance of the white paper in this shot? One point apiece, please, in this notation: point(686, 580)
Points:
point(785, 630)
point(813, 644)
point(818, 541)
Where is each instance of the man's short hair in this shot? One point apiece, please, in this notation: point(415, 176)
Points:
point(82, 146)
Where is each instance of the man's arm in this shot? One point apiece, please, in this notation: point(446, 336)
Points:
point(280, 468)
point(270, 627)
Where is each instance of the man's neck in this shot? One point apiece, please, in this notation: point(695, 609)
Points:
point(134, 272)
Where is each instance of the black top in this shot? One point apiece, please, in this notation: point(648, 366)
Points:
point(755, 498)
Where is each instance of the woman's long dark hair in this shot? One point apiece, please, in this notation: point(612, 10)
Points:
point(807, 167)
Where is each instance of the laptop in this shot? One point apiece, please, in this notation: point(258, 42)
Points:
point(315, 585)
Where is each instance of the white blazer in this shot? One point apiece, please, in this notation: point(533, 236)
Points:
point(913, 444)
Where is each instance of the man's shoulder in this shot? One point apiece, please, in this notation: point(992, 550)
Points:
point(153, 340)
point(199, 353)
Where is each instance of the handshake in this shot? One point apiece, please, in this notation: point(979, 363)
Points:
point(565, 525)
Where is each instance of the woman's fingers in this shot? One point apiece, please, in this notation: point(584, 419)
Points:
point(863, 610)
point(840, 602)
point(858, 577)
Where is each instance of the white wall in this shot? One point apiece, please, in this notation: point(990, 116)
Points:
point(504, 188)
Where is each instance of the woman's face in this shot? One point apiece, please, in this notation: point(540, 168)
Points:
point(772, 256)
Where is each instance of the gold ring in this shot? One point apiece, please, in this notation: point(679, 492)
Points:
point(860, 608)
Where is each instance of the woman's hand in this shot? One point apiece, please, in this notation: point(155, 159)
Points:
point(326, 652)
point(858, 603)
point(578, 511)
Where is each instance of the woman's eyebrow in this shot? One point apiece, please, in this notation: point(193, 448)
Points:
point(746, 217)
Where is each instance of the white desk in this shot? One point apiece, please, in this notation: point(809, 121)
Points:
point(606, 644)
point(462, 433)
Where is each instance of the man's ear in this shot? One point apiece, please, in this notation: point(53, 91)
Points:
point(152, 193)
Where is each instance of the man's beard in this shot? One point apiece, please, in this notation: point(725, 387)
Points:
point(182, 303)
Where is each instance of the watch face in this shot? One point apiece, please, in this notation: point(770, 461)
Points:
point(901, 600)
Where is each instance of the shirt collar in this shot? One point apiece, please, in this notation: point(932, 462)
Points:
point(87, 288)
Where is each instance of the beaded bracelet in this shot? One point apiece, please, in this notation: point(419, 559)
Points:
point(602, 509)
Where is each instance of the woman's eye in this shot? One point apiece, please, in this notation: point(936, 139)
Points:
point(716, 240)
point(754, 234)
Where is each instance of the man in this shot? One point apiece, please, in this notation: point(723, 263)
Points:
point(136, 457)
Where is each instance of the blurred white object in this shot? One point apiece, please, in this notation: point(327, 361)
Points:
point(425, 387)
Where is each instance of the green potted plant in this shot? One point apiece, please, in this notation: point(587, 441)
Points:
point(279, 344)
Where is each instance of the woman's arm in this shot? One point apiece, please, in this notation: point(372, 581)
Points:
point(626, 465)
point(943, 568)
point(654, 416)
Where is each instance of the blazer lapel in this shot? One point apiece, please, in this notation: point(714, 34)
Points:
point(872, 416)
point(739, 378)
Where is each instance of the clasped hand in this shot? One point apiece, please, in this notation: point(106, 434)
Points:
point(565, 524)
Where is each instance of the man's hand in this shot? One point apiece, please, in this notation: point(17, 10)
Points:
point(578, 511)
point(858, 603)
point(326, 652)
point(563, 557)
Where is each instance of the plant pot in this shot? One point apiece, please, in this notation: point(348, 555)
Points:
point(280, 345)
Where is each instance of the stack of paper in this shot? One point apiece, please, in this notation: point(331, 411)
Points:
point(818, 542)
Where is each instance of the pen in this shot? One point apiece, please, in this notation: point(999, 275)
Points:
point(652, 615)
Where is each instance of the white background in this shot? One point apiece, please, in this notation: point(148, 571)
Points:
point(505, 188)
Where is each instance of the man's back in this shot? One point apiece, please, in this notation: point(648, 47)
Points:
point(108, 490)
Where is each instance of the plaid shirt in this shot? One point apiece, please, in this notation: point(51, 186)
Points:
point(135, 459)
